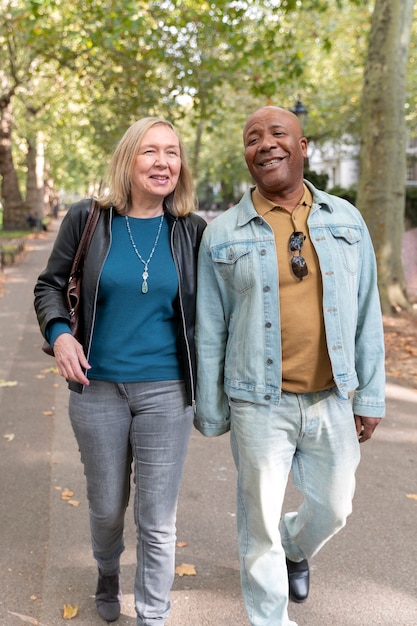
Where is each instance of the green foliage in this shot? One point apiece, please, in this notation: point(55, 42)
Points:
point(348, 194)
point(319, 180)
point(81, 72)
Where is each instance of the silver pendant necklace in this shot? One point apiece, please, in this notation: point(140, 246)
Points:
point(145, 273)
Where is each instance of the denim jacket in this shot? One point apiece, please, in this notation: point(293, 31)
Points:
point(238, 337)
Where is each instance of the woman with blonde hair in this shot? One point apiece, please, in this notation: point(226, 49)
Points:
point(132, 377)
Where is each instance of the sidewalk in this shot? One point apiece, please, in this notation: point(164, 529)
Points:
point(366, 575)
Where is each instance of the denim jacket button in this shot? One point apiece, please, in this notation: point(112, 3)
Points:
point(268, 325)
point(269, 361)
point(266, 288)
point(267, 397)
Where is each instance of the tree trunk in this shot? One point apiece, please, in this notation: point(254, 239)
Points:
point(35, 178)
point(197, 148)
point(381, 190)
point(14, 213)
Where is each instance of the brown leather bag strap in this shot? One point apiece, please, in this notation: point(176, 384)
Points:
point(86, 237)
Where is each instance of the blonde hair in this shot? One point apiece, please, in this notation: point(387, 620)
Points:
point(117, 181)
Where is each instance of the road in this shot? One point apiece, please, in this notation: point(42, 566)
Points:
point(366, 575)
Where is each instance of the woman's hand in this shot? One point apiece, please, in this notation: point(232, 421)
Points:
point(70, 358)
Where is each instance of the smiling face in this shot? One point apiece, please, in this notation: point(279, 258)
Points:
point(275, 151)
point(157, 165)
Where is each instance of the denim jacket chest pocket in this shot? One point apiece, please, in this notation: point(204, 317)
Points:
point(234, 263)
point(348, 240)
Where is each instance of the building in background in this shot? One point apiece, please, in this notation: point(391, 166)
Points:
point(340, 161)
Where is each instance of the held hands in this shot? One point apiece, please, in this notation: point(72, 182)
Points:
point(70, 358)
point(365, 426)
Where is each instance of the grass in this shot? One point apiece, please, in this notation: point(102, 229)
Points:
point(13, 234)
point(12, 243)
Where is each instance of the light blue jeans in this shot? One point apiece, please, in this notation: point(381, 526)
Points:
point(149, 423)
point(315, 435)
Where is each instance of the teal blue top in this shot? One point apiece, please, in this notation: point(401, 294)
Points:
point(135, 333)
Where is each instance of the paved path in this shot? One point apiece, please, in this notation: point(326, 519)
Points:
point(367, 575)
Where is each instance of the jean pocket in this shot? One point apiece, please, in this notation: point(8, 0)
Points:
point(240, 402)
point(343, 398)
point(348, 244)
point(234, 263)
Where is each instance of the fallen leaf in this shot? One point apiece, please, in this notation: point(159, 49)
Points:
point(412, 496)
point(25, 618)
point(181, 544)
point(9, 436)
point(67, 494)
point(47, 413)
point(70, 611)
point(74, 503)
point(8, 383)
point(40, 376)
point(185, 569)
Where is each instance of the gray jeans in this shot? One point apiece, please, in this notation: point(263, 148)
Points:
point(149, 424)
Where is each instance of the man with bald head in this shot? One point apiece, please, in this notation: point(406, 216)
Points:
point(290, 359)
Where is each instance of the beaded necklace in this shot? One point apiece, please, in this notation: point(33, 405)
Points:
point(145, 273)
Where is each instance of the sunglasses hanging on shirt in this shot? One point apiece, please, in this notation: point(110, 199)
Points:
point(298, 262)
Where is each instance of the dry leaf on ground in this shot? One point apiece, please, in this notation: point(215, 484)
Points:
point(25, 618)
point(67, 494)
point(8, 383)
point(185, 569)
point(70, 611)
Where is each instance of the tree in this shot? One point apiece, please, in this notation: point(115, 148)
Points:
point(10, 192)
point(381, 191)
point(85, 71)
point(19, 75)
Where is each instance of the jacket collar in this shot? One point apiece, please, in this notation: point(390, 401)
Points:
point(247, 211)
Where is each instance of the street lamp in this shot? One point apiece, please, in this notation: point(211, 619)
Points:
point(300, 111)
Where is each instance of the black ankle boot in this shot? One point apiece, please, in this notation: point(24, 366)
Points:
point(298, 580)
point(108, 596)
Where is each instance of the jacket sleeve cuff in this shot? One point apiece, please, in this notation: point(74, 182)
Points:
point(369, 409)
point(212, 430)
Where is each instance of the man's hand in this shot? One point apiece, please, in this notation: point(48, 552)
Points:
point(70, 358)
point(365, 426)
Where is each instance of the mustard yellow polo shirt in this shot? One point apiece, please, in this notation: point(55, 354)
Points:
point(305, 360)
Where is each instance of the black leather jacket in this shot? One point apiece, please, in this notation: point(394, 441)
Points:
point(50, 288)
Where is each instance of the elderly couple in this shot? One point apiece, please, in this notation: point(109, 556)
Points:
point(281, 343)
